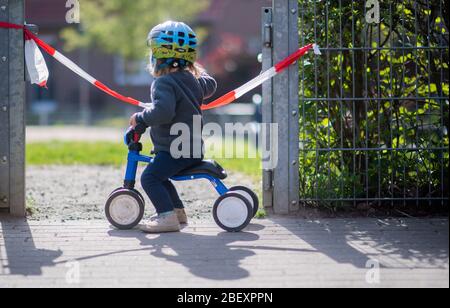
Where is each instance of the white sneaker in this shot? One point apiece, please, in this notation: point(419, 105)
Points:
point(182, 217)
point(161, 224)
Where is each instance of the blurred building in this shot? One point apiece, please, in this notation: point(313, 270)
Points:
point(229, 52)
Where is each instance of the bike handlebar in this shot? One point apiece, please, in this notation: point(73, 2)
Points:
point(133, 135)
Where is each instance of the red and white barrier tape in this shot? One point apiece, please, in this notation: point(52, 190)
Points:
point(222, 101)
point(73, 67)
point(271, 72)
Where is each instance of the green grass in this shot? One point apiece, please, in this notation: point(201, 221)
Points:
point(248, 166)
point(110, 153)
point(73, 153)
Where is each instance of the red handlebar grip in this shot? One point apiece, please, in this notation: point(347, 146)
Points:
point(136, 137)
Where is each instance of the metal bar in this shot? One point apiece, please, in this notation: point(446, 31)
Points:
point(353, 102)
point(328, 83)
point(441, 107)
point(17, 111)
point(366, 93)
point(316, 94)
point(378, 111)
point(15, 106)
point(267, 113)
point(416, 90)
point(391, 89)
point(401, 85)
point(285, 112)
point(302, 101)
point(4, 107)
point(293, 139)
point(341, 105)
point(429, 79)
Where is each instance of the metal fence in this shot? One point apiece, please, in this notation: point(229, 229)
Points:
point(374, 108)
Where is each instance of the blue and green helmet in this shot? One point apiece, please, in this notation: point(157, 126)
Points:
point(173, 40)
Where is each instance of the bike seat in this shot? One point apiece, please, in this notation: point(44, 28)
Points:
point(209, 167)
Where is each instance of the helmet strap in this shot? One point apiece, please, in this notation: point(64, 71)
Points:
point(174, 63)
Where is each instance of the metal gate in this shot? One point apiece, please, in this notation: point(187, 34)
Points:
point(371, 116)
point(374, 108)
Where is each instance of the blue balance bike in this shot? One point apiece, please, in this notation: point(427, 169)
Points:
point(232, 211)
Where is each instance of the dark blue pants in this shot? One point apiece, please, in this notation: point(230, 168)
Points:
point(156, 183)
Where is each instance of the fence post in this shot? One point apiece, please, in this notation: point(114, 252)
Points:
point(267, 112)
point(285, 108)
point(12, 110)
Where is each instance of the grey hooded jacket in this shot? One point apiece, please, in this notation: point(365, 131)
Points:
point(176, 99)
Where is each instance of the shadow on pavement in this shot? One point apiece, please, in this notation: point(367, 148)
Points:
point(18, 253)
point(208, 256)
point(394, 243)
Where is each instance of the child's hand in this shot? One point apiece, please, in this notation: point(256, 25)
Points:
point(133, 122)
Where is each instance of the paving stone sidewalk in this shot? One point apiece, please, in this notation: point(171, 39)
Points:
point(276, 252)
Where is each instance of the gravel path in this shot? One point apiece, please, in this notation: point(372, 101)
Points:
point(65, 193)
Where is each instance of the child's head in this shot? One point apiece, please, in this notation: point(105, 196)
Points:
point(173, 46)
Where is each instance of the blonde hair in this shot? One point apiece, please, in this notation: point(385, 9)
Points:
point(194, 68)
